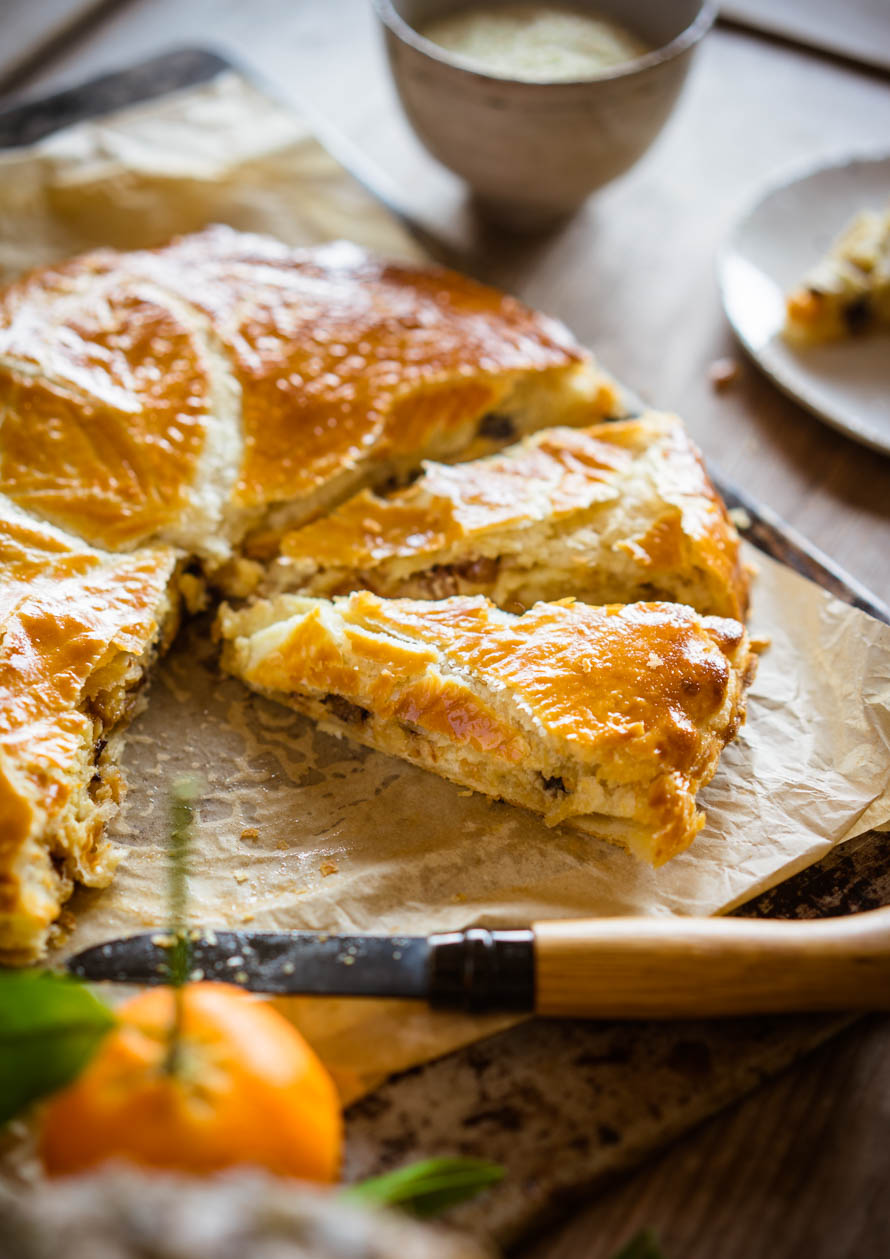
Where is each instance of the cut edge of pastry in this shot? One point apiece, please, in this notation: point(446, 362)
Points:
point(604, 548)
point(46, 851)
point(526, 767)
point(520, 406)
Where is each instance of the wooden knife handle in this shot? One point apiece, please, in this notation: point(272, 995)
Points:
point(698, 967)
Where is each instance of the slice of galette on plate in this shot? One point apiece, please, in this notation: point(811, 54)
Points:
point(848, 291)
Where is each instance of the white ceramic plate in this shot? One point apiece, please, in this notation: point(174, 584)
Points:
point(768, 251)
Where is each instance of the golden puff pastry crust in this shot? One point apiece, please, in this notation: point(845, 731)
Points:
point(119, 422)
point(190, 402)
point(78, 632)
point(227, 384)
point(613, 513)
point(607, 718)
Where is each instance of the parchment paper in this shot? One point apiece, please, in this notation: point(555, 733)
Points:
point(299, 829)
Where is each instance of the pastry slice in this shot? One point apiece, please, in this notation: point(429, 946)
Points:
point(848, 291)
point(606, 718)
point(610, 514)
point(79, 630)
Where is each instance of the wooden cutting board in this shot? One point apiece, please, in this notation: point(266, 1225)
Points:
point(560, 1104)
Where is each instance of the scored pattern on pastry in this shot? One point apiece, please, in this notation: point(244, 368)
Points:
point(608, 718)
point(225, 383)
point(613, 513)
point(119, 412)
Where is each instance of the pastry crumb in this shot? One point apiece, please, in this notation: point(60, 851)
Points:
point(250, 832)
point(242, 576)
point(194, 592)
point(240, 876)
point(465, 794)
point(723, 372)
point(740, 518)
point(328, 867)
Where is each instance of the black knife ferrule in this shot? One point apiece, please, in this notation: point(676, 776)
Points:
point(479, 970)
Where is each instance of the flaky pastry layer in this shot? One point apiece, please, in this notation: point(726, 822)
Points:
point(79, 631)
point(607, 718)
point(612, 513)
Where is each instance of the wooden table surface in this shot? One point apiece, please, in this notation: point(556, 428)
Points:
point(800, 1168)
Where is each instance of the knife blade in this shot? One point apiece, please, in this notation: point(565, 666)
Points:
point(475, 969)
point(597, 968)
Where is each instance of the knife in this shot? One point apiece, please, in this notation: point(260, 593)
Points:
point(592, 968)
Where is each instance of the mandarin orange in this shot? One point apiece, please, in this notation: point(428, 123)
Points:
point(247, 1090)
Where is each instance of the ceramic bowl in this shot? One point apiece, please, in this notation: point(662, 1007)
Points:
point(532, 152)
